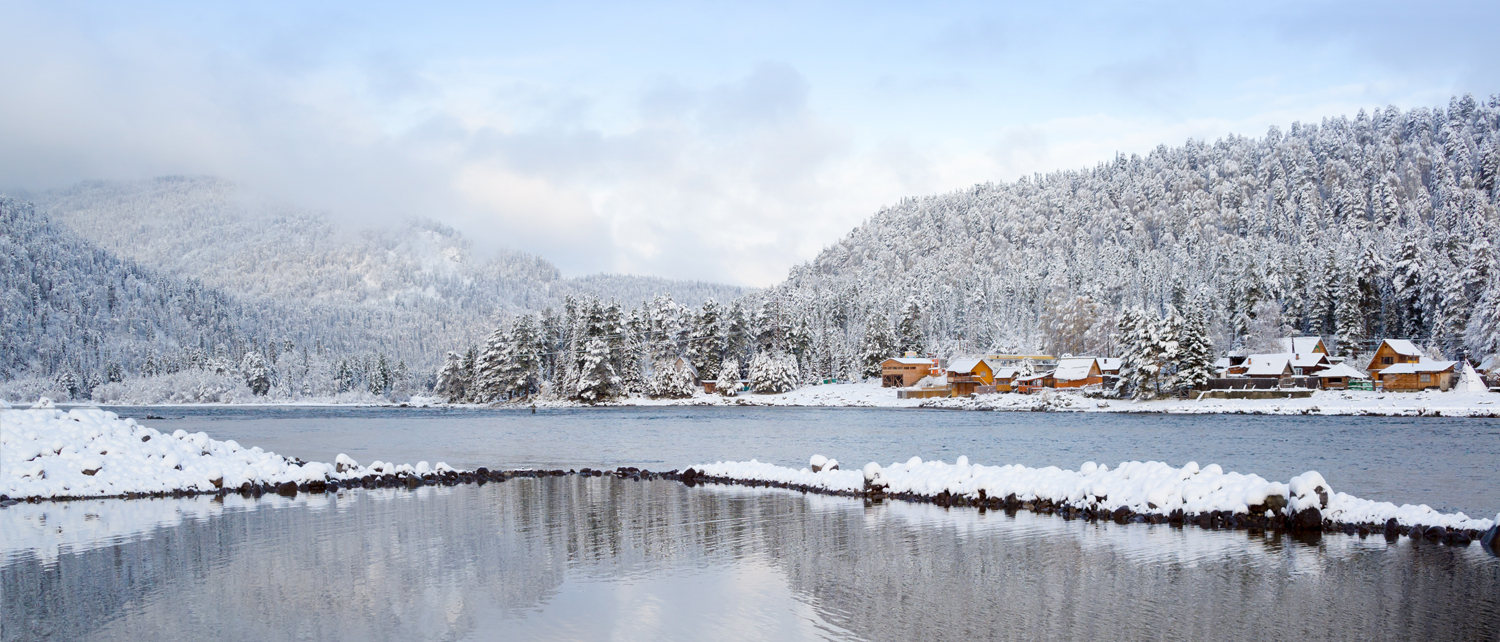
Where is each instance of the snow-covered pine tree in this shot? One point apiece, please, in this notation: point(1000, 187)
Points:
point(256, 372)
point(523, 366)
point(490, 371)
point(1349, 320)
point(1129, 329)
point(597, 380)
point(706, 344)
point(450, 379)
point(669, 381)
point(878, 345)
point(772, 372)
point(728, 383)
point(909, 331)
point(1195, 352)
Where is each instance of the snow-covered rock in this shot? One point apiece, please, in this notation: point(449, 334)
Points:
point(1150, 488)
point(49, 453)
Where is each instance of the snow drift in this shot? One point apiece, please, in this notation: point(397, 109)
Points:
point(49, 453)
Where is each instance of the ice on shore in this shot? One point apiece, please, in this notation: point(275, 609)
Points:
point(46, 452)
point(1142, 487)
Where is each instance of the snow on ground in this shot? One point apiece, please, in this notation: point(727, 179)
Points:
point(1151, 488)
point(47, 452)
point(869, 394)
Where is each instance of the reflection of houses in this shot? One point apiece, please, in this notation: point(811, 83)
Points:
point(905, 372)
point(968, 376)
point(1392, 352)
point(1421, 375)
point(1076, 372)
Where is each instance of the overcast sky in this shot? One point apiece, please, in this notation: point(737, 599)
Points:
point(713, 141)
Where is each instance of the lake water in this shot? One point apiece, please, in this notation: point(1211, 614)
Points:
point(600, 558)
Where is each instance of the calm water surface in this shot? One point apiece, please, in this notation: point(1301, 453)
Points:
point(598, 558)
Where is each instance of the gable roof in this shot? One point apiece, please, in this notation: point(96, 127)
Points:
point(1299, 345)
point(1007, 372)
point(1490, 363)
point(1268, 365)
point(1405, 347)
point(964, 366)
point(1421, 367)
point(910, 361)
point(1342, 370)
point(1109, 363)
point(1308, 359)
point(1221, 363)
point(1073, 369)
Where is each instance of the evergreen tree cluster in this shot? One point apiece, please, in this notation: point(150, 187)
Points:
point(1355, 229)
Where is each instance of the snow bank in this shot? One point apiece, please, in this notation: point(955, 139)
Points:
point(1144, 488)
point(50, 453)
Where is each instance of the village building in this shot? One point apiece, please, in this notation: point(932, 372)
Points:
point(1265, 366)
point(1412, 377)
point(1339, 377)
point(1309, 363)
point(1110, 366)
point(905, 372)
point(1489, 364)
point(967, 376)
point(1005, 377)
point(1077, 372)
point(1034, 383)
point(1303, 345)
point(1392, 352)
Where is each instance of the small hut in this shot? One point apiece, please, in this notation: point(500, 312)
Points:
point(1338, 377)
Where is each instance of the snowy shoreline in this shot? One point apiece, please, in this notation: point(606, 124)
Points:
point(871, 395)
point(50, 454)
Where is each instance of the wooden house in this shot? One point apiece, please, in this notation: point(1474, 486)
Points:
point(1411, 377)
point(1309, 363)
point(1077, 372)
point(1004, 377)
point(965, 376)
point(904, 372)
point(1266, 366)
point(1034, 383)
point(1488, 365)
point(1338, 377)
point(1109, 366)
point(1392, 352)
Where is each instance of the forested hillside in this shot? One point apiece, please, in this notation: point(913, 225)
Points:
point(1379, 225)
point(1356, 229)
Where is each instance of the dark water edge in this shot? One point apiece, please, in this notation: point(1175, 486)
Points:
point(590, 558)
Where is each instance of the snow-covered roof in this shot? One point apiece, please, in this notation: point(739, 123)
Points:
point(1342, 370)
point(1221, 363)
point(1403, 346)
point(1073, 369)
point(911, 361)
point(963, 366)
point(1308, 359)
point(1420, 367)
point(1109, 363)
point(1267, 365)
point(1490, 363)
point(1006, 373)
point(1299, 345)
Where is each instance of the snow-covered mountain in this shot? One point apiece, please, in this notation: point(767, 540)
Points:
point(212, 229)
point(1380, 225)
point(106, 280)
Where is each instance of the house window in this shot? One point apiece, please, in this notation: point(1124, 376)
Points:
point(1387, 361)
point(1426, 378)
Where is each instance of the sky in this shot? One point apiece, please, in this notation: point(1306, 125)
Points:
point(714, 141)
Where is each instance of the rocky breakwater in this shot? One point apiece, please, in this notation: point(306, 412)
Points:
point(1132, 492)
point(47, 454)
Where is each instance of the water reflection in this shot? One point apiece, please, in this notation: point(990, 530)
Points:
point(591, 558)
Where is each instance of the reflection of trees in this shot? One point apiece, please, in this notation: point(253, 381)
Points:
point(442, 562)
